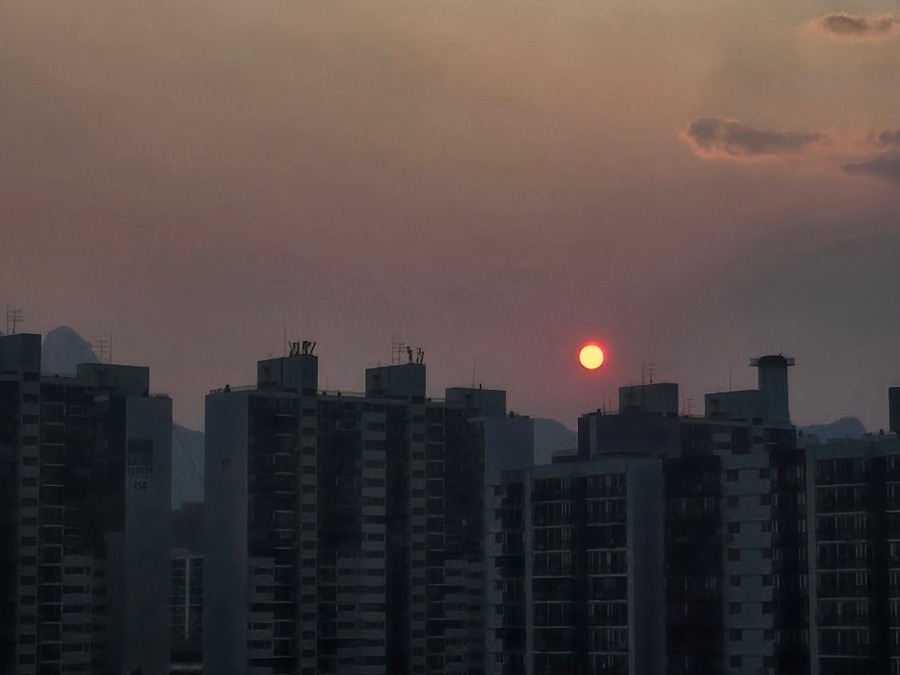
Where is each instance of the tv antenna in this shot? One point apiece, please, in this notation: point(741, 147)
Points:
point(397, 349)
point(648, 368)
point(13, 316)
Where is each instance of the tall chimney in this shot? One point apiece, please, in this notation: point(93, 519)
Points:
point(773, 387)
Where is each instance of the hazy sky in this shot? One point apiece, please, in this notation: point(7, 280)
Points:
point(691, 182)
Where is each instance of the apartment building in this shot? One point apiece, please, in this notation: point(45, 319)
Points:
point(344, 531)
point(724, 495)
point(855, 569)
point(86, 466)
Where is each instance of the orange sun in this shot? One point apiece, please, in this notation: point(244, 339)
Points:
point(591, 356)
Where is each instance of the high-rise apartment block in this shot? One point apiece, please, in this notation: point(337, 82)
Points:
point(84, 556)
point(855, 555)
point(344, 533)
point(187, 588)
point(574, 572)
point(666, 544)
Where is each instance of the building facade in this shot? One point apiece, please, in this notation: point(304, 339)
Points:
point(344, 532)
point(187, 588)
point(574, 569)
point(855, 569)
point(87, 464)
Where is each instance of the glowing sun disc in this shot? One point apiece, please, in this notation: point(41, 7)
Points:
point(591, 357)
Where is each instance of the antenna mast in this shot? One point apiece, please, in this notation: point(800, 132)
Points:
point(13, 316)
point(105, 349)
point(398, 349)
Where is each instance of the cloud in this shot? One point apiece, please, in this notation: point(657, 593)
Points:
point(717, 136)
point(852, 26)
point(884, 166)
point(889, 138)
point(883, 160)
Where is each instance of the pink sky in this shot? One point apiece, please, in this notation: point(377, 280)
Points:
point(691, 183)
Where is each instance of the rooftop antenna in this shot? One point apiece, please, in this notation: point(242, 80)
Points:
point(420, 355)
point(409, 355)
point(104, 346)
point(13, 316)
point(651, 368)
point(397, 349)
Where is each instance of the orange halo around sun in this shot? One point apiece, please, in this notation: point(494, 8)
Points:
point(591, 357)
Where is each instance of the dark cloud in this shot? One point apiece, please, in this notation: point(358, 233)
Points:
point(848, 25)
point(883, 166)
point(715, 135)
point(889, 138)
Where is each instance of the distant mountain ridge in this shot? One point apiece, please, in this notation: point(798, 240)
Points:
point(845, 427)
point(63, 350)
point(551, 436)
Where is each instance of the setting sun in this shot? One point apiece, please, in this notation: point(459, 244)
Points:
point(591, 357)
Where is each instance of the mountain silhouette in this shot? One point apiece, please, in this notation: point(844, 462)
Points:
point(63, 350)
point(551, 436)
point(845, 427)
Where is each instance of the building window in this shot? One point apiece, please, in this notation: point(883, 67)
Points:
point(734, 554)
point(735, 635)
point(734, 608)
point(735, 580)
point(736, 662)
point(731, 475)
point(734, 528)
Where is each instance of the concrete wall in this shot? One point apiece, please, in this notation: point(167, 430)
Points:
point(508, 446)
point(403, 381)
point(646, 553)
point(225, 584)
point(145, 615)
point(734, 405)
point(20, 353)
point(651, 399)
point(125, 380)
point(300, 373)
point(488, 402)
